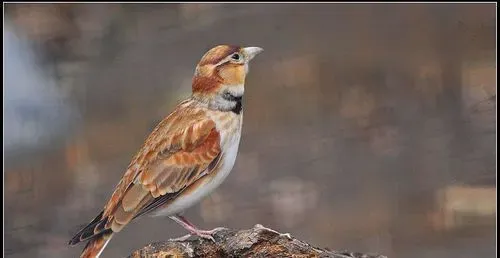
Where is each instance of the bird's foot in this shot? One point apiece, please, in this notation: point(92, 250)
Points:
point(213, 231)
point(193, 230)
point(205, 234)
point(208, 234)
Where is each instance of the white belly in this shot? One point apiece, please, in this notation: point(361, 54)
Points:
point(186, 201)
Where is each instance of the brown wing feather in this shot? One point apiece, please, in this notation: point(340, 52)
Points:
point(176, 154)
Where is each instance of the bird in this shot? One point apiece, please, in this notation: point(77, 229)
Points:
point(185, 157)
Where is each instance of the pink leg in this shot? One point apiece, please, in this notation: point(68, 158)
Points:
point(207, 234)
point(184, 221)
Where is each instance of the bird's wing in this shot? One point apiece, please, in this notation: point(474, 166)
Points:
point(182, 148)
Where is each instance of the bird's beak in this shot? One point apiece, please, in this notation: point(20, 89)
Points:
point(251, 52)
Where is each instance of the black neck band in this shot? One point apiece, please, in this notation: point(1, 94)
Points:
point(239, 106)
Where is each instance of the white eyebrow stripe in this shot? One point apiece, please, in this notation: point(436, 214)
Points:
point(223, 60)
point(226, 59)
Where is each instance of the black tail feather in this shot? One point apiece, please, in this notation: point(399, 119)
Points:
point(94, 229)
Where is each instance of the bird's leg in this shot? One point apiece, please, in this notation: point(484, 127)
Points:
point(181, 220)
point(205, 232)
point(185, 224)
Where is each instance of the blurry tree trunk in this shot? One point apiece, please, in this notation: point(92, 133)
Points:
point(255, 242)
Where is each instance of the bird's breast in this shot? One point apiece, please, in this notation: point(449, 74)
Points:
point(228, 125)
point(229, 128)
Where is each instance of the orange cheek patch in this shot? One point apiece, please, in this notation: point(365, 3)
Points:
point(233, 74)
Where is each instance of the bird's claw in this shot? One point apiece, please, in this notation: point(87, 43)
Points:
point(206, 236)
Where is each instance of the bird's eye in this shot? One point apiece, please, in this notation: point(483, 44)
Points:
point(235, 57)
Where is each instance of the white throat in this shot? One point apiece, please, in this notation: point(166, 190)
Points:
point(225, 98)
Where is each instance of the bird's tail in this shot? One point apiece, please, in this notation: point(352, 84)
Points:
point(96, 245)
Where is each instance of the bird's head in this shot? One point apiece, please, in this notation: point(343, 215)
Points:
point(220, 75)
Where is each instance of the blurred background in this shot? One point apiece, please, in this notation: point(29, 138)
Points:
point(368, 127)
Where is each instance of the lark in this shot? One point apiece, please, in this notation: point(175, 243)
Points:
point(186, 157)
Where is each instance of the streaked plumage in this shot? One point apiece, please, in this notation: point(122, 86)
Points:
point(187, 155)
